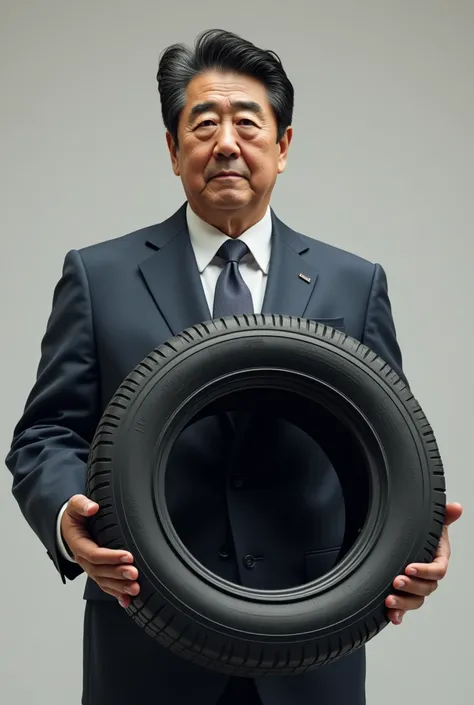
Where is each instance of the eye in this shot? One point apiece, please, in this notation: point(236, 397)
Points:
point(248, 121)
point(205, 123)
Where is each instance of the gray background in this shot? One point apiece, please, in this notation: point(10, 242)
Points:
point(382, 164)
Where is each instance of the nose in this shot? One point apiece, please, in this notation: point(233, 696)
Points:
point(227, 146)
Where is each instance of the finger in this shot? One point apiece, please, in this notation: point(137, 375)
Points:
point(118, 596)
point(414, 586)
point(396, 616)
point(453, 512)
point(123, 573)
point(436, 570)
point(119, 586)
point(86, 549)
point(123, 600)
point(402, 602)
point(81, 506)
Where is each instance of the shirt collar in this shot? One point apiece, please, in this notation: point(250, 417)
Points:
point(206, 239)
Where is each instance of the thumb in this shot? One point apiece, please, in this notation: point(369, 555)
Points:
point(453, 513)
point(81, 506)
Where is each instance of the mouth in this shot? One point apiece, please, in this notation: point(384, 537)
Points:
point(227, 175)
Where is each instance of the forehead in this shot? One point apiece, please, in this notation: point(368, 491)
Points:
point(225, 88)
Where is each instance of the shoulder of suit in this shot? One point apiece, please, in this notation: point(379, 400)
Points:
point(128, 249)
point(133, 243)
point(119, 243)
point(322, 252)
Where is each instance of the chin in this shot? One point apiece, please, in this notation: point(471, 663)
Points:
point(230, 199)
point(230, 203)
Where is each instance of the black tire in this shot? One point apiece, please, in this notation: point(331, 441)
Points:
point(361, 408)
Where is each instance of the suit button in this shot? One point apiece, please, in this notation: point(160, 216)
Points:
point(249, 562)
point(223, 553)
point(237, 481)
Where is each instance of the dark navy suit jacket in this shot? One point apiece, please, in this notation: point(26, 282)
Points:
point(118, 300)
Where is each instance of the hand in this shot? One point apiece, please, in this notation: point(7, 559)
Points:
point(421, 579)
point(110, 569)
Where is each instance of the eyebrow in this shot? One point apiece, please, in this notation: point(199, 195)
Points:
point(201, 108)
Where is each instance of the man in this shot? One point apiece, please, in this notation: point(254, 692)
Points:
point(227, 107)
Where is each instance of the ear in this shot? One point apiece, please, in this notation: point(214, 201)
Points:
point(173, 150)
point(284, 146)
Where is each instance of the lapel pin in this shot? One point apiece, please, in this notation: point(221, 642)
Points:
point(305, 278)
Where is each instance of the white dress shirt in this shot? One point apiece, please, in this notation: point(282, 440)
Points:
point(206, 240)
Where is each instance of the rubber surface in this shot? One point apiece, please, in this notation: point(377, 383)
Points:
point(353, 404)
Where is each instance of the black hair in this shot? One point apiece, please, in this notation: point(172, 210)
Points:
point(225, 51)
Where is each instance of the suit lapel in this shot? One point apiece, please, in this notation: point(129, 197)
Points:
point(173, 279)
point(172, 276)
point(291, 279)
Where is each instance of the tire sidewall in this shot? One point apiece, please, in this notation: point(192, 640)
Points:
point(162, 571)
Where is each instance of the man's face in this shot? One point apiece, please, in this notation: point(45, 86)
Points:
point(228, 156)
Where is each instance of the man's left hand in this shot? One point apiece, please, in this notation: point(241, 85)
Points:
point(421, 579)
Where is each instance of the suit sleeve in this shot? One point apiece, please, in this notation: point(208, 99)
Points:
point(50, 446)
point(379, 328)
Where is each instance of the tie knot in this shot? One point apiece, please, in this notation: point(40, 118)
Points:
point(233, 250)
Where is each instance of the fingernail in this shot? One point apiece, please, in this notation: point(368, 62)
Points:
point(89, 505)
point(392, 601)
point(128, 575)
point(401, 584)
point(398, 618)
point(122, 603)
point(127, 559)
point(411, 571)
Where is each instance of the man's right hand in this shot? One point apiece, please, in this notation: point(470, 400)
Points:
point(111, 570)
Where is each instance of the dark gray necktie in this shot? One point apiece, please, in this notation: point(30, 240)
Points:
point(232, 296)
